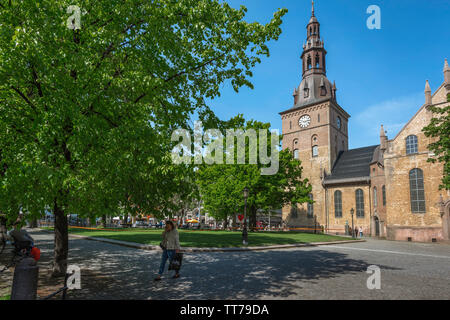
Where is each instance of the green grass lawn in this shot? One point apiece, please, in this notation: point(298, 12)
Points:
point(7, 297)
point(203, 239)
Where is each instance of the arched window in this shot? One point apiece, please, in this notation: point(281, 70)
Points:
point(318, 117)
point(359, 197)
point(310, 212)
point(417, 191)
point(335, 145)
point(317, 60)
point(412, 144)
point(338, 204)
point(375, 200)
point(306, 90)
point(383, 191)
point(290, 124)
point(323, 90)
point(308, 62)
point(315, 151)
point(296, 154)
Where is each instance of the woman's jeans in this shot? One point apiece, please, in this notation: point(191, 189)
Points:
point(167, 254)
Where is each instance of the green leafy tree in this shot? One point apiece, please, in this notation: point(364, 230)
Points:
point(439, 128)
point(221, 196)
point(90, 91)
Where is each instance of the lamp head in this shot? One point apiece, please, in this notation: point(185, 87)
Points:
point(245, 192)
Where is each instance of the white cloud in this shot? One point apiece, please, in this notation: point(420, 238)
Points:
point(393, 114)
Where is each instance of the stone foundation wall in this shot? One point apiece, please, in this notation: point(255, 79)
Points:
point(417, 234)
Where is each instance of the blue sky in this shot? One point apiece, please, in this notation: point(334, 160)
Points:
point(380, 74)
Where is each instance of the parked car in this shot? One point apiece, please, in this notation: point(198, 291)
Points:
point(140, 224)
point(125, 225)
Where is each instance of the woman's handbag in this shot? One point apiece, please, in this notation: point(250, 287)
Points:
point(161, 244)
point(176, 262)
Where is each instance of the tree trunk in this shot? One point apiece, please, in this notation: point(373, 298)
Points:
point(33, 223)
point(3, 231)
point(183, 214)
point(103, 225)
point(61, 243)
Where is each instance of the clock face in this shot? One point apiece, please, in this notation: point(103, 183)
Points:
point(304, 121)
point(338, 122)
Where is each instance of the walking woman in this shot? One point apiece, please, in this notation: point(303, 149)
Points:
point(170, 245)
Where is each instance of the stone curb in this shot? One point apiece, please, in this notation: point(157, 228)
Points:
point(232, 249)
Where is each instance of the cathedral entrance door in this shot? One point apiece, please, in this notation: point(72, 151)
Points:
point(377, 227)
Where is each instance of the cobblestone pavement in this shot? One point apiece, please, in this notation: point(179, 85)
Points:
point(408, 271)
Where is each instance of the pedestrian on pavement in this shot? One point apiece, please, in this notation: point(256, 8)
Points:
point(356, 232)
point(170, 245)
point(360, 232)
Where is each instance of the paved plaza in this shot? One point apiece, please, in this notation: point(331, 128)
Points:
point(408, 271)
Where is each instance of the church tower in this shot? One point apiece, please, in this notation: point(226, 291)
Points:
point(315, 128)
point(313, 55)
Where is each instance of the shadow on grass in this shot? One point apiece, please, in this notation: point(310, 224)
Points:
point(219, 239)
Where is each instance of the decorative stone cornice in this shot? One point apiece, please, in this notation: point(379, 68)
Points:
point(304, 110)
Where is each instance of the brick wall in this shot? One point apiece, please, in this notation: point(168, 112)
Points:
point(402, 222)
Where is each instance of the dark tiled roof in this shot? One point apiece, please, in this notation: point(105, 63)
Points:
point(352, 164)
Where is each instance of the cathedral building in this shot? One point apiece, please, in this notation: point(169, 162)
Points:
point(390, 189)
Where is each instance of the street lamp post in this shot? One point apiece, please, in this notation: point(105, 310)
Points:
point(352, 211)
point(244, 230)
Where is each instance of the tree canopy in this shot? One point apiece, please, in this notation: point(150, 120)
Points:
point(222, 185)
point(439, 128)
point(90, 91)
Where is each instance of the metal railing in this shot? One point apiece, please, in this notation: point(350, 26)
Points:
point(62, 290)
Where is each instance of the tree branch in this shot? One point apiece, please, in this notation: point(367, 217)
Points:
point(36, 81)
point(204, 64)
point(194, 69)
point(24, 98)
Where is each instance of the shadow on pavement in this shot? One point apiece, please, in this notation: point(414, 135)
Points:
point(115, 272)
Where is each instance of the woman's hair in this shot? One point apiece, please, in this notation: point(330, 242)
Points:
point(168, 222)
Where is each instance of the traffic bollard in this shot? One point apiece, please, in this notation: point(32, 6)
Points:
point(25, 280)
